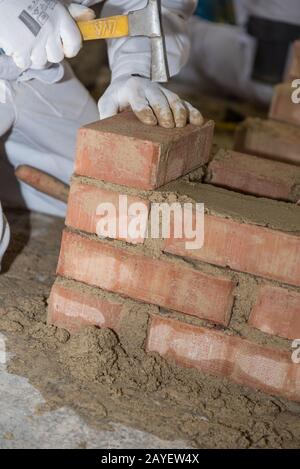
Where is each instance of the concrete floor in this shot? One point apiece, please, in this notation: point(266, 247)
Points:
point(24, 423)
point(24, 426)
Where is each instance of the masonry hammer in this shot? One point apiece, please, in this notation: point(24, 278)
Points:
point(146, 22)
point(43, 182)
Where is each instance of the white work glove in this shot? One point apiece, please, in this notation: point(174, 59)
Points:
point(35, 32)
point(81, 13)
point(151, 103)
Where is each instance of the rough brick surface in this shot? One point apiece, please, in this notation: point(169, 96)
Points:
point(246, 248)
point(277, 312)
point(150, 280)
point(244, 362)
point(124, 151)
point(270, 139)
point(84, 214)
point(73, 308)
point(253, 175)
point(293, 71)
point(283, 108)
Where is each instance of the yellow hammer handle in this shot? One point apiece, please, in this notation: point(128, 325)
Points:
point(104, 28)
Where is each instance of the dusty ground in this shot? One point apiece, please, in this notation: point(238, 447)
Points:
point(104, 384)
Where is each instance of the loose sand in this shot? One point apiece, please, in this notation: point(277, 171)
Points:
point(108, 379)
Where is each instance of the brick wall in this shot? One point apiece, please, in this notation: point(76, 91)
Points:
point(278, 137)
point(230, 308)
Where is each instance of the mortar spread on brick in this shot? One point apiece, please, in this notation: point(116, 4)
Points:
point(273, 214)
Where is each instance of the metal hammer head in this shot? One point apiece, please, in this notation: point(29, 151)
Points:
point(148, 22)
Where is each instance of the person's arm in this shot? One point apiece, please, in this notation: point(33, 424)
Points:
point(130, 62)
point(36, 32)
point(133, 55)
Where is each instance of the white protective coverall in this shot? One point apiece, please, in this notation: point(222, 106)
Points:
point(42, 109)
point(222, 56)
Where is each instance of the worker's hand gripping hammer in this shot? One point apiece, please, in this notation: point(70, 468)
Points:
point(146, 22)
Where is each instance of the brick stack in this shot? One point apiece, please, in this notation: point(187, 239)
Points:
point(254, 175)
point(230, 308)
point(284, 108)
point(266, 160)
point(279, 137)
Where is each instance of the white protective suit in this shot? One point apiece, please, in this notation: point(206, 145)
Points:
point(41, 110)
point(222, 56)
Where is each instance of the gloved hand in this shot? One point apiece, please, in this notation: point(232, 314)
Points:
point(81, 13)
point(151, 103)
point(35, 32)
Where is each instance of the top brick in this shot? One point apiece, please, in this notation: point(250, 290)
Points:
point(124, 151)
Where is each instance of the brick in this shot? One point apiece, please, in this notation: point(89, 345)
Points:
point(246, 248)
point(83, 213)
point(283, 108)
point(211, 351)
point(230, 204)
point(293, 71)
point(253, 175)
point(270, 139)
point(150, 280)
point(124, 151)
point(74, 308)
point(277, 312)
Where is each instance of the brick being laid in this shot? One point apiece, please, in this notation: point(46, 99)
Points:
point(123, 151)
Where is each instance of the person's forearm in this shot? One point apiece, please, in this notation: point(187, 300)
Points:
point(133, 55)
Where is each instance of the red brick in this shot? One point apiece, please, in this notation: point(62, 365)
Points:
point(211, 351)
point(150, 280)
point(283, 108)
point(253, 175)
point(246, 248)
point(270, 139)
point(293, 71)
point(73, 309)
point(82, 212)
point(277, 312)
point(124, 151)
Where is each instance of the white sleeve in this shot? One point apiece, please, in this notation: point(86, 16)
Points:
point(133, 55)
point(277, 10)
